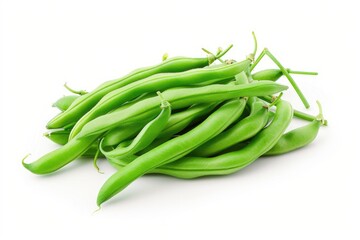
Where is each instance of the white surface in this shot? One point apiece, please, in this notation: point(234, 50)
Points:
point(308, 194)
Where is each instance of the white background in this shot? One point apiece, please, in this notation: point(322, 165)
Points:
point(309, 194)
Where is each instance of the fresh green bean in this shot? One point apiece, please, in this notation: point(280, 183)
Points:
point(59, 136)
point(159, 82)
point(172, 149)
point(146, 135)
point(298, 137)
point(275, 74)
point(179, 98)
point(64, 102)
point(85, 102)
point(241, 131)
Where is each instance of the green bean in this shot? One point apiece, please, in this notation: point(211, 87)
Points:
point(275, 74)
point(146, 135)
point(193, 167)
point(179, 98)
point(172, 149)
point(64, 102)
point(159, 82)
point(298, 137)
point(297, 113)
point(60, 136)
point(284, 71)
point(177, 123)
point(241, 131)
point(139, 111)
point(85, 102)
point(60, 157)
point(120, 134)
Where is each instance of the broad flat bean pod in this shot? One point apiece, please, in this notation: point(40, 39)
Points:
point(85, 102)
point(159, 82)
point(179, 98)
point(172, 149)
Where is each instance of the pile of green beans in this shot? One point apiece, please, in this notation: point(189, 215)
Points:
point(184, 117)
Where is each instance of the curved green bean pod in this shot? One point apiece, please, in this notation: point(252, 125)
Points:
point(60, 157)
point(120, 134)
point(298, 138)
point(275, 74)
point(145, 137)
point(179, 98)
point(64, 102)
point(227, 163)
point(85, 102)
point(172, 149)
point(58, 136)
point(241, 131)
point(159, 82)
point(177, 122)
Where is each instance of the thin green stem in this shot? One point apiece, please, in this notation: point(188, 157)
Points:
point(301, 72)
point(223, 52)
point(211, 54)
point(262, 54)
point(96, 157)
point(255, 44)
point(276, 100)
point(164, 103)
point(80, 92)
point(297, 113)
point(320, 116)
point(288, 76)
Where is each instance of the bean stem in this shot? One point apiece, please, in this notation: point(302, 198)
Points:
point(297, 113)
point(80, 92)
point(301, 72)
point(285, 72)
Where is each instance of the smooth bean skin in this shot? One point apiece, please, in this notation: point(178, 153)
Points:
point(60, 157)
point(58, 136)
point(227, 163)
point(179, 98)
point(295, 139)
point(241, 131)
point(120, 134)
point(172, 149)
point(178, 122)
point(233, 161)
point(145, 137)
point(61, 137)
point(268, 74)
point(159, 82)
point(85, 102)
point(64, 102)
